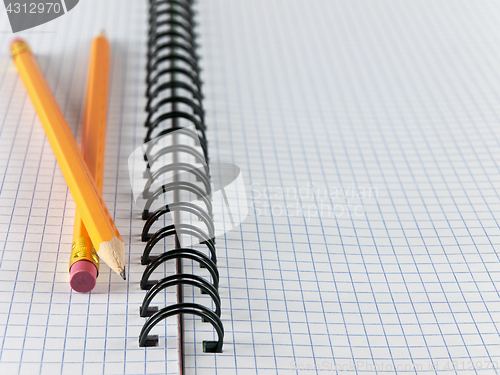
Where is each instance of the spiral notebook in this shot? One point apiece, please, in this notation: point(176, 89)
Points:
point(366, 136)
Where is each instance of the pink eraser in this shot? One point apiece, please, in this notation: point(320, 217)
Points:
point(82, 276)
point(15, 41)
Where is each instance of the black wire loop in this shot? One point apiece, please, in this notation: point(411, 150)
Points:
point(155, 12)
point(176, 148)
point(175, 230)
point(183, 252)
point(174, 106)
point(179, 206)
point(199, 140)
point(175, 168)
point(185, 72)
point(184, 308)
point(178, 186)
point(184, 279)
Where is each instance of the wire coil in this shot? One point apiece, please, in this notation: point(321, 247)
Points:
point(174, 107)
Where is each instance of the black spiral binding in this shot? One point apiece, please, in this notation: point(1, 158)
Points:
point(173, 82)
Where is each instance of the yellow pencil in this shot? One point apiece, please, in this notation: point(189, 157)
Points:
point(88, 200)
point(84, 262)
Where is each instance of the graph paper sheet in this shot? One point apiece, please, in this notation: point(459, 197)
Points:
point(367, 134)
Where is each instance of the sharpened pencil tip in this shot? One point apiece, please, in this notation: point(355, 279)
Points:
point(122, 274)
point(112, 253)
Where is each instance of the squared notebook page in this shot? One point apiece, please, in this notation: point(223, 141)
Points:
point(392, 101)
point(383, 116)
point(45, 327)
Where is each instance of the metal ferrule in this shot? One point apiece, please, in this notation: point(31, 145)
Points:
point(82, 249)
point(19, 47)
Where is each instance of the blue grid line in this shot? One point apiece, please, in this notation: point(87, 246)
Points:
point(392, 246)
point(435, 229)
point(304, 153)
point(68, 196)
point(389, 223)
point(55, 168)
point(356, 235)
point(385, 272)
point(430, 149)
point(434, 270)
point(26, 102)
point(486, 174)
point(353, 174)
point(371, 120)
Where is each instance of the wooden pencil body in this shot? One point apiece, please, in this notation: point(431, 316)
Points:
point(88, 200)
point(93, 139)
